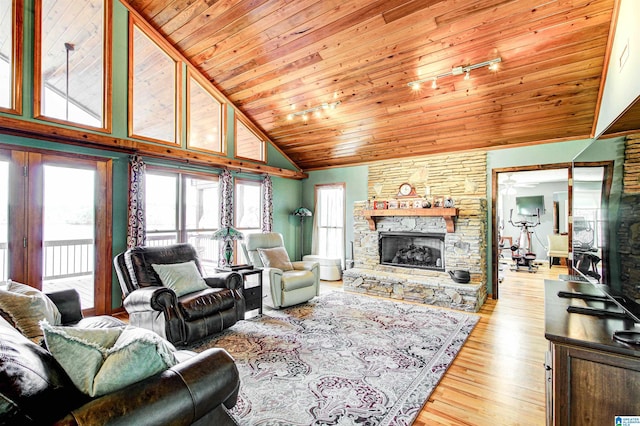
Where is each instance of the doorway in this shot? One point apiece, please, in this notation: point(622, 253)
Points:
point(529, 204)
point(55, 225)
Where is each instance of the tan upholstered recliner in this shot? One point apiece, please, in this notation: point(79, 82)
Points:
point(558, 247)
point(285, 283)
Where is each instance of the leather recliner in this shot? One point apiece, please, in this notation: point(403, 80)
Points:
point(181, 320)
point(282, 288)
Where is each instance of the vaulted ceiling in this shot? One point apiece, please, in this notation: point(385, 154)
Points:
point(275, 57)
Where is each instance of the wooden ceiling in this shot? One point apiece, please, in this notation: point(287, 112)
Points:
point(269, 56)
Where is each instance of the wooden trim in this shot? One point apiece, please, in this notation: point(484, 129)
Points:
point(448, 214)
point(17, 217)
point(103, 237)
point(34, 218)
point(42, 131)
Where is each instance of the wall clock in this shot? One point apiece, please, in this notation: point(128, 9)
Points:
point(406, 190)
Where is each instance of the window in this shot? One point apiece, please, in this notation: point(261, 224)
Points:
point(72, 67)
point(10, 56)
point(248, 210)
point(248, 143)
point(183, 208)
point(153, 77)
point(328, 229)
point(205, 118)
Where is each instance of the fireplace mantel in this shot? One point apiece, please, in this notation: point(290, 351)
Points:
point(447, 213)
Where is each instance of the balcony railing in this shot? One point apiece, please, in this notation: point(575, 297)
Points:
point(68, 258)
point(75, 258)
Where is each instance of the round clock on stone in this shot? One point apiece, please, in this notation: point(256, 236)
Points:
point(406, 190)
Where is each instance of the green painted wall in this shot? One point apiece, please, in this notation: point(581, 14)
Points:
point(356, 180)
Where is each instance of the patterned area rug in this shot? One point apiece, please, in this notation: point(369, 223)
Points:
point(341, 359)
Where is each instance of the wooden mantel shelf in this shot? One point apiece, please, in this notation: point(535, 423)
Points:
point(447, 213)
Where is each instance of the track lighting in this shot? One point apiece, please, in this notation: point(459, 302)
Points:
point(316, 111)
point(466, 70)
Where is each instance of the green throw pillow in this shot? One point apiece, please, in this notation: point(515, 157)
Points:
point(183, 278)
point(24, 307)
point(102, 360)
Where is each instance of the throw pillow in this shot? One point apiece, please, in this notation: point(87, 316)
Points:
point(111, 358)
point(183, 278)
point(276, 257)
point(24, 307)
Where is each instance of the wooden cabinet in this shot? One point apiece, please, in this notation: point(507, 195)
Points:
point(591, 378)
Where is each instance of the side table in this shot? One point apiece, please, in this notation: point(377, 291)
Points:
point(251, 287)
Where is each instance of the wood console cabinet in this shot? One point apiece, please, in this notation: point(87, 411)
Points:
point(591, 378)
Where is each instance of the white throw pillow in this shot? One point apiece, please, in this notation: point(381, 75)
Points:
point(102, 360)
point(183, 278)
point(276, 257)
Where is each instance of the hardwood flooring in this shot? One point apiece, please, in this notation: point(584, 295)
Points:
point(498, 376)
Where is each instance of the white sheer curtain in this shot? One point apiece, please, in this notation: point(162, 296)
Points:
point(328, 221)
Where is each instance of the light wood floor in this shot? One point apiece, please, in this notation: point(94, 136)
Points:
point(498, 376)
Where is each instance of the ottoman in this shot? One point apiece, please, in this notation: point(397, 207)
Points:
point(330, 268)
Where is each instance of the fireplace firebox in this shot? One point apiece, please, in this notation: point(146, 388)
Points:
point(412, 250)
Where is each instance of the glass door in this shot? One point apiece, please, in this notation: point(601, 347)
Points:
point(68, 231)
point(55, 221)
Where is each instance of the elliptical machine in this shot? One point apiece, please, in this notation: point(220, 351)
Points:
point(521, 253)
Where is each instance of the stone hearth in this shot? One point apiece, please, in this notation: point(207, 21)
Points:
point(463, 249)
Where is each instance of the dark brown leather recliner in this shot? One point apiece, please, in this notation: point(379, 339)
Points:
point(181, 320)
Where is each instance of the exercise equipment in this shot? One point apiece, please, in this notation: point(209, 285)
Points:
point(521, 254)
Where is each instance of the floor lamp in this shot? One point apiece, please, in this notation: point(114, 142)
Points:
point(302, 212)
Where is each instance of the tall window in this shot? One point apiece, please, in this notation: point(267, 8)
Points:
point(183, 208)
point(205, 115)
point(248, 143)
point(10, 55)
point(73, 51)
point(328, 221)
point(153, 77)
point(248, 210)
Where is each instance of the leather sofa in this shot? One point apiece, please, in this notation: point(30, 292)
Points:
point(35, 390)
point(181, 320)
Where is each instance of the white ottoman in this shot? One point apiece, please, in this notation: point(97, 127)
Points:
point(330, 268)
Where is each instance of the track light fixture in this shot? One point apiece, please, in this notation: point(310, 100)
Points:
point(316, 111)
point(466, 70)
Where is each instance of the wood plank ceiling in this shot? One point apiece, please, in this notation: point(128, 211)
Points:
point(272, 57)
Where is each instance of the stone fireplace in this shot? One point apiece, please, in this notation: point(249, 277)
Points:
point(412, 250)
point(400, 269)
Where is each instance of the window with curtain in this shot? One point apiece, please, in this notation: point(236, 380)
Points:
point(328, 221)
point(183, 208)
point(248, 210)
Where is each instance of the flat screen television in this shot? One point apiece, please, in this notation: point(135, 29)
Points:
point(606, 256)
point(530, 205)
